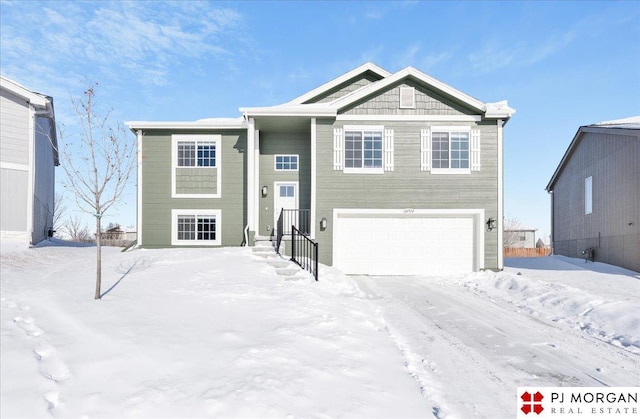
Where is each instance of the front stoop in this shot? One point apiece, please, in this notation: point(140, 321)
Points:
point(290, 271)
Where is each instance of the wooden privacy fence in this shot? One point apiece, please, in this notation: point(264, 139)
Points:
point(526, 252)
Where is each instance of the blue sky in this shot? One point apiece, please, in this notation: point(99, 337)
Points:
point(559, 64)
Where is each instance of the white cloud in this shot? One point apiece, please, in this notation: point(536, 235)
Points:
point(144, 41)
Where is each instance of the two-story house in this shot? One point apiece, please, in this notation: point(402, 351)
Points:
point(28, 157)
point(390, 174)
point(595, 195)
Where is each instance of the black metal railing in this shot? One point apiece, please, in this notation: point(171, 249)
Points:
point(300, 218)
point(304, 251)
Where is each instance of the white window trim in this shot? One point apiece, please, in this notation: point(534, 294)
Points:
point(448, 129)
point(217, 139)
point(413, 97)
point(275, 164)
point(588, 195)
point(363, 170)
point(174, 227)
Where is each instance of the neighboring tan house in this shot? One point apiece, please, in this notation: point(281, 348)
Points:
point(595, 194)
point(28, 157)
point(517, 235)
point(388, 173)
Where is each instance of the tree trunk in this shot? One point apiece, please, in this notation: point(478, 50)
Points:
point(98, 257)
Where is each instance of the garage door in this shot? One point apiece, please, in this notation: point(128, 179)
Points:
point(404, 244)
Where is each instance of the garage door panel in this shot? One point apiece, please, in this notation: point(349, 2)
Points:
point(404, 245)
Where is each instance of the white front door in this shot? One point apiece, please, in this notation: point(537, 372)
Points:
point(285, 196)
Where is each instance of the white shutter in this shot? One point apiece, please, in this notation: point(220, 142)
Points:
point(388, 150)
point(475, 150)
point(425, 150)
point(337, 149)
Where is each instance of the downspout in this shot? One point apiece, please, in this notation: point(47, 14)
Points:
point(552, 244)
point(32, 173)
point(500, 217)
point(139, 191)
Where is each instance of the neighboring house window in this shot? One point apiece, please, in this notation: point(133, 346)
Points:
point(588, 195)
point(196, 154)
point(363, 149)
point(286, 162)
point(195, 227)
point(450, 150)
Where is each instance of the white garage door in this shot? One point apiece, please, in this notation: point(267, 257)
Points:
point(404, 244)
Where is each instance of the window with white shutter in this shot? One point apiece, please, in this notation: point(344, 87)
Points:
point(450, 150)
point(363, 149)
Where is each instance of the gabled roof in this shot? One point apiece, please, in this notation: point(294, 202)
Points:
point(498, 110)
point(44, 105)
point(409, 72)
point(364, 68)
point(36, 99)
point(631, 123)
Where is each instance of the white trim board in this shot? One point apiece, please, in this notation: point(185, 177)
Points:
point(409, 118)
point(218, 167)
point(478, 216)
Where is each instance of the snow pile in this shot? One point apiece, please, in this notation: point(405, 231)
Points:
point(190, 333)
point(599, 299)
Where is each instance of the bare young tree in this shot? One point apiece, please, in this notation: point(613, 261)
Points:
point(76, 230)
point(59, 211)
point(98, 165)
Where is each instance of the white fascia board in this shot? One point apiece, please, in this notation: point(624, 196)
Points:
point(417, 74)
point(293, 110)
point(339, 80)
point(214, 123)
point(34, 98)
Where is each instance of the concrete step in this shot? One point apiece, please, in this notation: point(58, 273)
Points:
point(279, 263)
point(288, 272)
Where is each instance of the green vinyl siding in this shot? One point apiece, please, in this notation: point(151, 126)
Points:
point(345, 88)
point(272, 144)
point(428, 102)
point(407, 186)
point(196, 180)
point(157, 202)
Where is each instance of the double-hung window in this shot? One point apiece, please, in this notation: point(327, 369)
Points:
point(196, 166)
point(450, 150)
point(363, 149)
point(196, 227)
point(196, 154)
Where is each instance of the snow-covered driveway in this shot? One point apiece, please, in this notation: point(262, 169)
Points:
point(469, 352)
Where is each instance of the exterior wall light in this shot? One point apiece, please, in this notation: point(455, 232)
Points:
point(265, 191)
point(323, 224)
point(491, 224)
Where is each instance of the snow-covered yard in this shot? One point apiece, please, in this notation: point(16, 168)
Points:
point(217, 333)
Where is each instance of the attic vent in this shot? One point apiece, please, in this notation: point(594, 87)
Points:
point(407, 98)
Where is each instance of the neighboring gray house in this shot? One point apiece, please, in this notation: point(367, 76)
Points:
point(595, 194)
point(518, 235)
point(28, 156)
point(389, 173)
